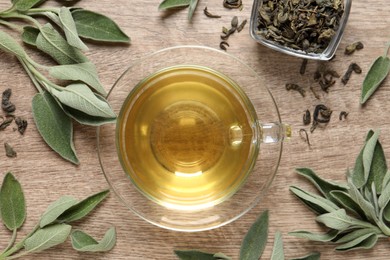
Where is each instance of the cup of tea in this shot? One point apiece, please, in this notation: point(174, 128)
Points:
point(198, 138)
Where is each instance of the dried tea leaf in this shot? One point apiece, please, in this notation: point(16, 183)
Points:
point(22, 124)
point(12, 203)
point(277, 251)
point(6, 123)
point(255, 240)
point(47, 237)
point(83, 242)
point(9, 150)
point(6, 104)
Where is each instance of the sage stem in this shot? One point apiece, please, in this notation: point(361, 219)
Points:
point(32, 77)
point(11, 242)
point(20, 244)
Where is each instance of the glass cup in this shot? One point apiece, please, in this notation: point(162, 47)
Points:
point(198, 138)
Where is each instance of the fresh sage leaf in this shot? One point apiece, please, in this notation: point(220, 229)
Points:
point(311, 256)
point(54, 18)
point(167, 4)
point(277, 251)
point(52, 43)
point(56, 209)
point(12, 203)
point(366, 206)
point(324, 186)
point(24, 5)
point(326, 237)
point(363, 242)
point(82, 208)
point(343, 199)
point(356, 234)
point(85, 72)
point(317, 203)
point(85, 243)
point(85, 119)
point(8, 44)
point(30, 35)
point(358, 171)
point(375, 75)
point(97, 27)
point(386, 180)
point(47, 237)
point(384, 198)
point(191, 9)
point(339, 220)
point(386, 212)
point(378, 168)
point(368, 154)
point(54, 125)
point(69, 27)
point(193, 255)
point(80, 97)
point(255, 240)
point(221, 256)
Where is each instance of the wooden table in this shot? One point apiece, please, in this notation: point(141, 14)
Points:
point(45, 176)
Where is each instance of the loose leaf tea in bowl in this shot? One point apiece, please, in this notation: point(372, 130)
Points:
point(308, 29)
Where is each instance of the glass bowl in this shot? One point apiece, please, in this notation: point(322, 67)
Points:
point(326, 54)
point(265, 141)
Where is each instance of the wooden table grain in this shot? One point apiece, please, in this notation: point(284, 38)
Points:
point(45, 176)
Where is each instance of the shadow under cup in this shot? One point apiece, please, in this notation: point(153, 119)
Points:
point(188, 151)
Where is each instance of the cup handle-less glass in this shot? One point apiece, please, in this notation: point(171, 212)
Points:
point(273, 132)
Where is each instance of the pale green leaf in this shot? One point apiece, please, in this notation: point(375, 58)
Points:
point(356, 234)
point(10, 45)
point(386, 212)
point(221, 256)
point(12, 203)
point(167, 4)
point(30, 35)
point(52, 43)
point(366, 206)
point(277, 251)
point(368, 154)
point(339, 220)
point(342, 198)
point(193, 255)
point(363, 242)
point(54, 18)
point(85, 243)
point(317, 203)
point(255, 240)
point(82, 208)
point(97, 27)
point(192, 7)
point(85, 72)
point(79, 96)
point(54, 125)
point(85, 119)
point(69, 27)
point(378, 168)
point(311, 256)
point(358, 177)
point(326, 237)
point(386, 179)
point(375, 75)
point(55, 209)
point(24, 5)
point(47, 237)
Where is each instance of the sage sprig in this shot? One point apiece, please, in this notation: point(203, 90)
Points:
point(375, 75)
point(357, 213)
point(252, 246)
point(83, 97)
point(53, 227)
point(169, 4)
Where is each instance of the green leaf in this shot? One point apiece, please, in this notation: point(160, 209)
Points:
point(54, 18)
point(69, 27)
point(368, 154)
point(339, 220)
point(85, 72)
point(12, 203)
point(356, 234)
point(85, 243)
point(54, 126)
point(317, 203)
point(24, 5)
point(8, 44)
point(326, 237)
point(221, 256)
point(82, 208)
point(254, 242)
point(85, 119)
point(56, 209)
point(311, 256)
point(366, 206)
point(386, 212)
point(363, 242)
point(358, 171)
point(324, 186)
point(97, 27)
point(80, 97)
point(347, 202)
point(384, 198)
point(47, 237)
point(30, 35)
point(378, 168)
point(167, 4)
point(386, 179)
point(193, 255)
point(52, 43)
point(192, 8)
point(277, 251)
point(375, 75)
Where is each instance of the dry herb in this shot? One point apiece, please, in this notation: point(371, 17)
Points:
point(51, 230)
point(351, 48)
point(6, 122)
point(325, 76)
point(234, 22)
point(55, 105)
point(306, 117)
point(343, 114)
point(356, 213)
point(22, 124)
point(304, 137)
point(296, 87)
point(321, 114)
point(9, 150)
point(303, 67)
point(223, 45)
point(300, 24)
point(232, 4)
point(241, 26)
point(210, 15)
point(376, 74)
point(353, 67)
